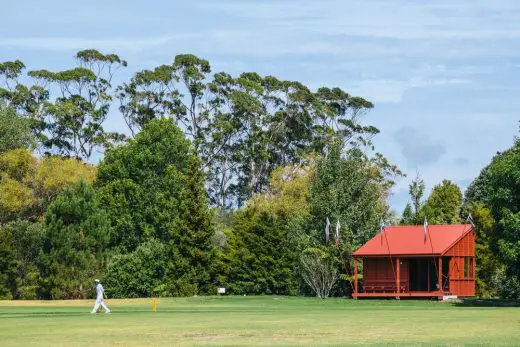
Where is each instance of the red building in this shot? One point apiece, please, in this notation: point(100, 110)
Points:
point(406, 261)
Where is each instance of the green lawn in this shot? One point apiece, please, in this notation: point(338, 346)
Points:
point(257, 321)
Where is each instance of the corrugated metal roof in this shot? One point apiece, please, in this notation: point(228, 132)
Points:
point(409, 240)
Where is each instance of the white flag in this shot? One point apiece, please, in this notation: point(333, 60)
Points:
point(470, 220)
point(425, 228)
point(327, 230)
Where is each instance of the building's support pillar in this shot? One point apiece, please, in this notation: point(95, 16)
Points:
point(355, 279)
point(428, 266)
point(439, 276)
point(398, 277)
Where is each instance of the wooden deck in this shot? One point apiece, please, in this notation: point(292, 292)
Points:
point(401, 294)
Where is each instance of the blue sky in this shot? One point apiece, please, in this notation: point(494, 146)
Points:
point(443, 74)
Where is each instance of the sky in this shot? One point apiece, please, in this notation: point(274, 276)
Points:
point(443, 74)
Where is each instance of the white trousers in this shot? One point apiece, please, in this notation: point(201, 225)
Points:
point(100, 302)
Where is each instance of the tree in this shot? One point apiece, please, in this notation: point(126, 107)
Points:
point(139, 274)
point(269, 234)
point(75, 119)
point(352, 189)
point(319, 271)
point(488, 264)
point(498, 189)
point(244, 127)
point(192, 247)
point(15, 131)
point(73, 243)
point(72, 124)
point(408, 217)
point(153, 189)
point(22, 276)
point(444, 204)
point(28, 101)
point(139, 181)
point(416, 190)
point(7, 265)
point(28, 184)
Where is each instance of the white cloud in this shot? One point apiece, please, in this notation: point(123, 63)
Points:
point(380, 90)
point(75, 43)
point(385, 19)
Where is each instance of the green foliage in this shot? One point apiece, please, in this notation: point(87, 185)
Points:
point(74, 242)
point(15, 131)
point(488, 264)
point(24, 239)
point(71, 124)
point(319, 271)
point(444, 204)
point(497, 188)
point(268, 236)
point(153, 189)
point(140, 181)
point(7, 265)
point(408, 217)
point(28, 184)
point(265, 256)
point(416, 215)
point(295, 156)
point(244, 127)
point(352, 189)
point(139, 274)
point(416, 190)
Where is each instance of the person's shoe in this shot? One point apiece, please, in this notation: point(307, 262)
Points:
point(108, 311)
point(92, 312)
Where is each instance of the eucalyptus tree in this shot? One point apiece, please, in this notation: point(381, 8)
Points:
point(243, 127)
point(27, 101)
point(71, 124)
point(75, 118)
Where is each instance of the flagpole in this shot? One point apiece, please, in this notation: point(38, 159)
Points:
point(389, 252)
point(427, 234)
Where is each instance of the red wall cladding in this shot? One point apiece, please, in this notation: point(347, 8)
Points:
point(464, 247)
point(462, 266)
point(378, 273)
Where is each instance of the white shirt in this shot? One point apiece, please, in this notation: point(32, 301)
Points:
point(99, 291)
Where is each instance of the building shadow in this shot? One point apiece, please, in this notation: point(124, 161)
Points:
point(487, 303)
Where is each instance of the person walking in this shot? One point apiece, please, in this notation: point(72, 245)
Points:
point(99, 299)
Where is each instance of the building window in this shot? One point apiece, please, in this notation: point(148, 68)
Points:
point(466, 267)
point(471, 274)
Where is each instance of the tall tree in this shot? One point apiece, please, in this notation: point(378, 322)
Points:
point(488, 264)
point(244, 127)
point(444, 204)
point(73, 244)
point(416, 190)
point(408, 217)
point(21, 275)
point(413, 213)
point(153, 189)
point(29, 184)
point(269, 235)
point(75, 119)
point(498, 189)
point(352, 189)
point(15, 131)
point(72, 123)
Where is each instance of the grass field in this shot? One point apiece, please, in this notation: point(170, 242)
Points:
point(257, 321)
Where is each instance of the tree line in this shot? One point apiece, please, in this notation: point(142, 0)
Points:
point(219, 181)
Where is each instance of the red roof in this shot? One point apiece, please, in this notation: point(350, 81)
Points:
point(409, 240)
